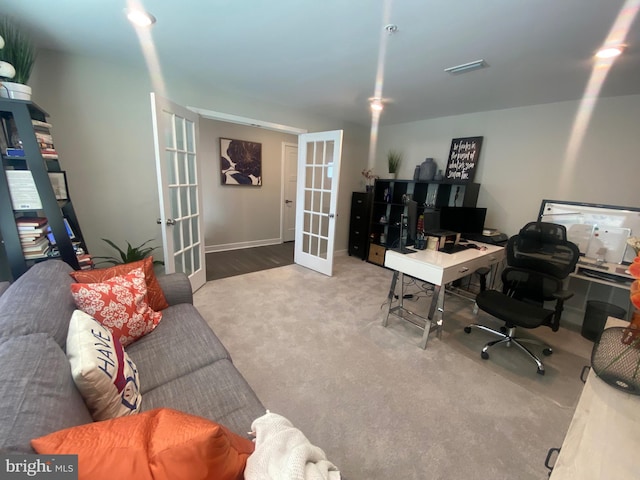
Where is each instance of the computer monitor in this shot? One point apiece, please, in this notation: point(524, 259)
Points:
point(464, 220)
point(412, 221)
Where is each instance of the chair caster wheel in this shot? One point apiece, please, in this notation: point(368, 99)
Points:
point(547, 351)
point(541, 371)
point(503, 329)
point(484, 355)
point(467, 329)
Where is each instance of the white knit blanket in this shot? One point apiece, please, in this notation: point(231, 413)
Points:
point(283, 453)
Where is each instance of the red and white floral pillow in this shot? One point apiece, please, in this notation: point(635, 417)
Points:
point(120, 304)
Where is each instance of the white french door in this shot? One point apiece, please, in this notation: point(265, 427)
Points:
point(319, 157)
point(175, 132)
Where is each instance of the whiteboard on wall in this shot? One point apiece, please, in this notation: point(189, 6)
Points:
point(600, 231)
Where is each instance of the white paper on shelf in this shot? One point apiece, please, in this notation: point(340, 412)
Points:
point(24, 194)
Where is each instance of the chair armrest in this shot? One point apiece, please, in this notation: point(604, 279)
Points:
point(176, 288)
point(563, 295)
point(3, 287)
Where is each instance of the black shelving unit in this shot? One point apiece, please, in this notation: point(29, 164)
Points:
point(22, 113)
point(390, 202)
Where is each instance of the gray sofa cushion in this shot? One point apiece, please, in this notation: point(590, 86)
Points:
point(37, 393)
point(176, 288)
point(216, 391)
point(181, 343)
point(39, 302)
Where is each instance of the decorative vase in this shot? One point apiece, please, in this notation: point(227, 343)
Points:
point(16, 91)
point(438, 176)
point(427, 170)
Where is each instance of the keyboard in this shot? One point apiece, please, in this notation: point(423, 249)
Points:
point(592, 265)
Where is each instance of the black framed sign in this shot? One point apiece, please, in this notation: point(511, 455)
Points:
point(463, 158)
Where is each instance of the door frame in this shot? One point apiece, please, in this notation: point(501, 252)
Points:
point(252, 122)
point(283, 179)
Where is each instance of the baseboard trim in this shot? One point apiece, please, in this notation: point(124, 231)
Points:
point(240, 245)
point(255, 243)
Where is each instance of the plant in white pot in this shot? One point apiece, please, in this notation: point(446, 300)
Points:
point(394, 159)
point(19, 53)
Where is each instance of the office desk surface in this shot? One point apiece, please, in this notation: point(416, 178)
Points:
point(440, 268)
point(603, 439)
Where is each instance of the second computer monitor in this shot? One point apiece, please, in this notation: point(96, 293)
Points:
point(463, 219)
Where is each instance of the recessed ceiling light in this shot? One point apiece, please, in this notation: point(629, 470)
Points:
point(140, 18)
point(609, 52)
point(376, 104)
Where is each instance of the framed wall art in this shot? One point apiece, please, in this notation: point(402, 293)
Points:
point(240, 162)
point(59, 183)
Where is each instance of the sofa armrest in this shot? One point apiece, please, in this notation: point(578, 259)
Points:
point(3, 287)
point(176, 288)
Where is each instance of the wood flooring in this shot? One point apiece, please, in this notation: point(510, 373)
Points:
point(247, 260)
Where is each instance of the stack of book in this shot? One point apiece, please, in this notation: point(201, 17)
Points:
point(33, 236)
point(45, 140)
point(85, 261)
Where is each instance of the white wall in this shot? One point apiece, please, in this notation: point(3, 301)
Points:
point(525, 159)
point(524, 155)
point(240, 215)
point(101, 118)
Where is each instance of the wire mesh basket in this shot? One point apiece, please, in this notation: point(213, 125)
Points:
point(615, 358)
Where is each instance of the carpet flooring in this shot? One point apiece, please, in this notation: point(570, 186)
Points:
point(239, 262)
point(314, 350)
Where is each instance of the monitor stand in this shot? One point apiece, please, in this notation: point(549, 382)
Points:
point(402, 249)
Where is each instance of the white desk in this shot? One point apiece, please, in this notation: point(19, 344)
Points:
point(439, 269)
point(604, 436)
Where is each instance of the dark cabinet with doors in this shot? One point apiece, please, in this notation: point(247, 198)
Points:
point(359, 224)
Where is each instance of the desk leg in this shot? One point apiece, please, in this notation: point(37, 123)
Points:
point(392, 290)
point(436, 315)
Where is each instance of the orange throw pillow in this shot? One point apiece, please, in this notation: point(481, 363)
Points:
point(157, 300)
point(160, 444)
point(119, 304)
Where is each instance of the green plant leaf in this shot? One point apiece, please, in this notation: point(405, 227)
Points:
point(131, 254)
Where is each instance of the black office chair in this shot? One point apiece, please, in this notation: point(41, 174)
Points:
point(539, 258)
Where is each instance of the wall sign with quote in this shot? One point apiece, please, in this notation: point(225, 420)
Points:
point(463, 158)
point(240, 162)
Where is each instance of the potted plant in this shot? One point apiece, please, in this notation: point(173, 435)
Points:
point(131, 254)
point(20, 53)
point(394, 158)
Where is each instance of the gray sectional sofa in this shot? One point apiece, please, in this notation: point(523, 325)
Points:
point(182, 364)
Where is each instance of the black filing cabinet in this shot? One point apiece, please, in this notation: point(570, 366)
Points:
point(359, 224)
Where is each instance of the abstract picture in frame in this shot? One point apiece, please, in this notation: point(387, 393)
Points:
point(240, 162)
point(59, 183)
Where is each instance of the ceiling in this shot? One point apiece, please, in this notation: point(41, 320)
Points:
point(324, 56)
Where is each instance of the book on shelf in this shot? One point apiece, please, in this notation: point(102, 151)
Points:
point(44, 137)
point(26, 236)
point(34, 222)
point(40, 124)
point(37, 246)
point(85, 261)
point(14, 152)
point(35, 255)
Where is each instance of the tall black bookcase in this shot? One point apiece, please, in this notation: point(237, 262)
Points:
point(20, 114)
point(390, 202)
